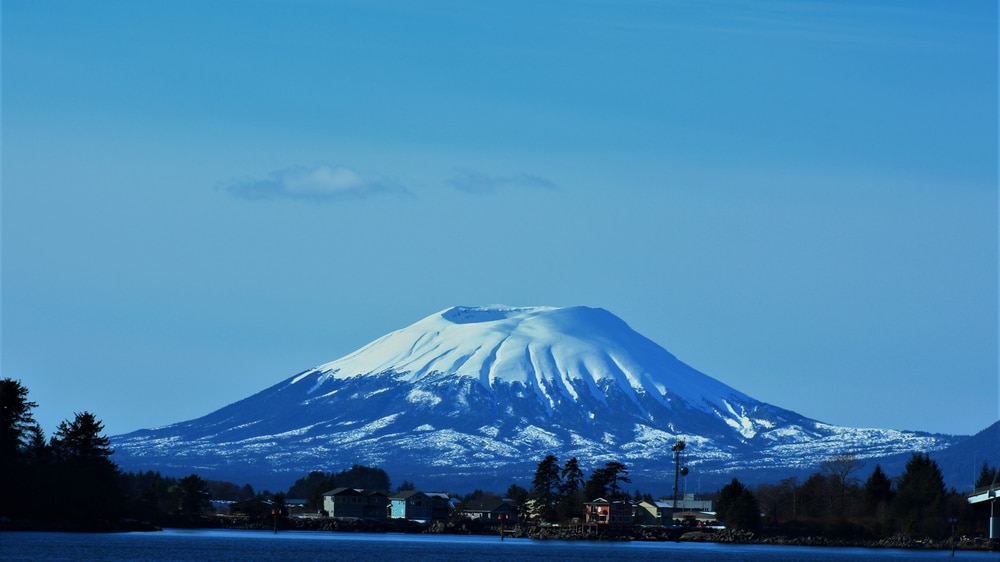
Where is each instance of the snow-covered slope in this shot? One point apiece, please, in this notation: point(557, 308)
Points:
point(554, 354)
point(476, 396)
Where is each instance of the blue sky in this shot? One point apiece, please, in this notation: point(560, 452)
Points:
point(799, 199)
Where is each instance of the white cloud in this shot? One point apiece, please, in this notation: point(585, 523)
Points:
point(321, 183)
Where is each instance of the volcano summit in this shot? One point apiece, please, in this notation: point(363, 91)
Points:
point(477, 396)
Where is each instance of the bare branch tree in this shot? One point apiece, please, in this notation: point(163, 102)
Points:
point(839, 469)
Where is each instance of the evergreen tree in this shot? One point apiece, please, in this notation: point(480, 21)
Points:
point(84, 474)
point(191, 495)
point(476, 495)
point(81, 439)
point(227, 491)
point(738, 507)
point(37, 450)
point(606, 482)
point(987, 476)
point(618, 476)
point(814, 497)
point(572, 477)
point(363, 478)
point(17, 427)
point(878, 491)
point(571, 491)
point(16, 419)
point(312, 488)
point(920, 497)
point(148, 496)
point(519, 495)
point(727, 498)
point(545, 489)
point(747, 512)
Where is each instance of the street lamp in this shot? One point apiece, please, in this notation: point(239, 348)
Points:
point(678, 472)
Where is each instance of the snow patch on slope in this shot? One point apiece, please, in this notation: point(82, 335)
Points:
point(740, 421)
point(418, 396)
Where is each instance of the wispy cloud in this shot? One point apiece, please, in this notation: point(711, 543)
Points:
point(321, 183)
point(475, 182)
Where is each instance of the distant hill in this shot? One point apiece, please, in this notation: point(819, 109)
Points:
point(960, 464)
point(475, 397)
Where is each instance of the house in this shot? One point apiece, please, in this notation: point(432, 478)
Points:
point(376, 504)
point(494, 509)
point(608, 514)
point(420, 506)
point(661, 512)
point(344, 502)
point(359, 504)
point(690, 502)
point(657, 512)
point(443, 505)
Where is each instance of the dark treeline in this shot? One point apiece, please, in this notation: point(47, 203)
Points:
point(833, 502)
point(70, 482)
point(67, 478)
point(558, 493)
point(312, 487)
point(837, 501)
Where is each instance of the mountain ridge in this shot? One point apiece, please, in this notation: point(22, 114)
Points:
point(470, 391)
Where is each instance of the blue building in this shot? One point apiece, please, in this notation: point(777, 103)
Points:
point(419, 506)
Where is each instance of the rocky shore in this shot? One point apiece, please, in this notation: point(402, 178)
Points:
point(579, 532)
point(897, 541)
point(730, 536)
point(536, 532)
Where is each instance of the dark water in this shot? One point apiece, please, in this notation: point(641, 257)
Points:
point(243, 546)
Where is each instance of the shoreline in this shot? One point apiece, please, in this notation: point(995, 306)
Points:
point(731, 536)
point(518, 531)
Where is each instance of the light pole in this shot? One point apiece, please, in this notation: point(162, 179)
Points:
point(952, 521)
point(678, 472)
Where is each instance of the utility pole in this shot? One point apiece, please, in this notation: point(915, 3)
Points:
point(952, 521)
point(678, 472)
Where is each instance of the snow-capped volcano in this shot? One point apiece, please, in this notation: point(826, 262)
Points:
point(558, 356)
point(476, 396)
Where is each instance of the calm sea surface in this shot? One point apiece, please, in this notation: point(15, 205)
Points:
point(243, 546)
